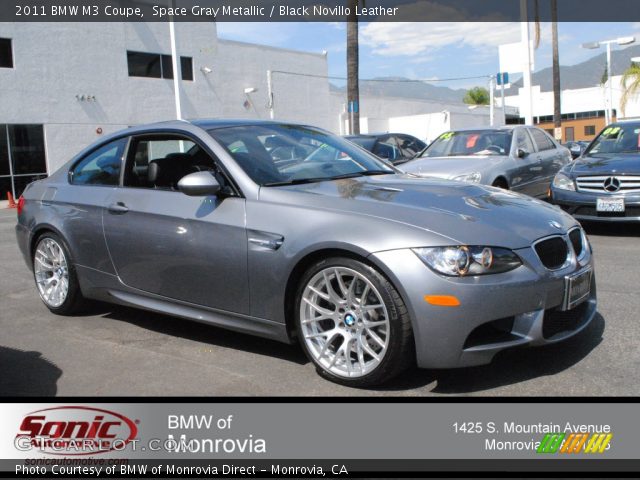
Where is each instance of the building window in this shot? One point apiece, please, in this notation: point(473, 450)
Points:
point(155, 65)
point(6, 53)
point(569, 134)
point(22, 157)
point(590, 130)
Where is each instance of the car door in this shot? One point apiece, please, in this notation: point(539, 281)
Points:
point(92, 179)
point(549, 156)
point(163, 242)
point(525, 169)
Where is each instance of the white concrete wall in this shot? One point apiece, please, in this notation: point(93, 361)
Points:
point(296, 98)
point(55, 62)
point(579, 100)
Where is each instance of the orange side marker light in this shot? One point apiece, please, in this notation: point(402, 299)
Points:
point(442, 300)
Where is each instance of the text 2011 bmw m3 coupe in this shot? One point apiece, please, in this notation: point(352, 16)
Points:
point(370, 269)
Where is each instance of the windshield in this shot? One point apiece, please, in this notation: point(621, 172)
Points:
point(480, 142)
point(617, 139)
point(286, 154)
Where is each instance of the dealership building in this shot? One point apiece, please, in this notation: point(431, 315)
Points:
point(64, 85)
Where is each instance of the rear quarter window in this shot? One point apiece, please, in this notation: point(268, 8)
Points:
point(100, 167)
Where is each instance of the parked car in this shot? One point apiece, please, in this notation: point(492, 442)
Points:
point(576, 148)
point(366, 267)
point(603, 184)
point(518, 158)
point(394, 147)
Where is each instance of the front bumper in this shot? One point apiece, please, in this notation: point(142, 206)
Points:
point(500, 311)
point(582, 205)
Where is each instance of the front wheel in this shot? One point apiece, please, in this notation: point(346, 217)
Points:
point(55, 276)
point(352, 323)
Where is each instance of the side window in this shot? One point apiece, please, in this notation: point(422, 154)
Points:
point(160, 161)
point(386, 147)
point(543, 142)
point(410, 146)
point(523, 141)
point(100, 167)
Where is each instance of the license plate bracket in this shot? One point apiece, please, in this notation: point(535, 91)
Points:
point(577, 288)
point(610, 205)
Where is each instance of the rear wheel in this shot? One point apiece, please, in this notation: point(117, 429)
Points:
point(55, 276)
point(352, 323)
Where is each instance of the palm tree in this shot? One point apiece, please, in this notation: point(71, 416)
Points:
point(630, 85)
point(557, 108)
point(353, 89)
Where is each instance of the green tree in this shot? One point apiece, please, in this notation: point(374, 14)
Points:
point(477, 96)
point(630, 85)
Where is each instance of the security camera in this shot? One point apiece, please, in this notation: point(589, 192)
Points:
point(206, 70)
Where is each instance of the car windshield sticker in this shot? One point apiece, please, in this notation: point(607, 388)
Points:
point(446, 136)
point(472, 140)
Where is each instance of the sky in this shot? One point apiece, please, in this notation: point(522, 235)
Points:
point(426, 51)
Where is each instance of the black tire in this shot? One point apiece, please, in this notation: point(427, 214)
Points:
point(74, 302)
point(400, 352)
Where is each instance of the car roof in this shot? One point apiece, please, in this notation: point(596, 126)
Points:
point(207, 123)
point(503, 128)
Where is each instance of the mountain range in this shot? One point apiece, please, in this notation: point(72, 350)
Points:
point(582, 75)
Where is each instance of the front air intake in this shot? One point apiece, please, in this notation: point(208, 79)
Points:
point(576, 240)
point(552, 252)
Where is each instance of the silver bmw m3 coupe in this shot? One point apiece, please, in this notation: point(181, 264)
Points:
point(368, 268)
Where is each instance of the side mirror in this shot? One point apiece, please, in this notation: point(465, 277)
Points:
point(576, 151)
point(521, 153)
point(199, 184)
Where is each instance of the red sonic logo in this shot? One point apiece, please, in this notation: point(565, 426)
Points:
point(75, 431)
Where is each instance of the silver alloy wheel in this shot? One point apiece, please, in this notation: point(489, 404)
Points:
point(51, 272)
point(344, 322)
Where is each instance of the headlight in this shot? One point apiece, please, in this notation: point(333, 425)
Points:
point(563, 182)
point(473, 177)
point(462, 261)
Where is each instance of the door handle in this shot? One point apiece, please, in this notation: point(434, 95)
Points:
point(118, 208)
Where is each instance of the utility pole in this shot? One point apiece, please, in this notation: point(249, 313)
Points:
point(176, 72)
point(353, 76)
point(492, 87)
point(557, 108)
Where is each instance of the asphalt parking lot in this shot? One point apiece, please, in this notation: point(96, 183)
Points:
point(120, 351)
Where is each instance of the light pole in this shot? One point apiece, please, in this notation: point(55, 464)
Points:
point(608, 43)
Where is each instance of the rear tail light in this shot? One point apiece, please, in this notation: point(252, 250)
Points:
point(20, 205)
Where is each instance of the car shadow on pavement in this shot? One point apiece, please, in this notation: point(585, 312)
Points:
point(603, 229)
point(201, 332)
point(25, 373)
point(508, 367)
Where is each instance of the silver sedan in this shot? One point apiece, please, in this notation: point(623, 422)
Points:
point(519, 158)
point(368, 268)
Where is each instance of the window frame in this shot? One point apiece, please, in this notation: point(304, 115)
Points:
point(130, 152)
point(514, 141)
point(551, 143)
point(12, 56)
point(74, 165)
point(162, 59)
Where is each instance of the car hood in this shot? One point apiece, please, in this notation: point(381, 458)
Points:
point(606, 164)
point(450, 167)
point(465, 213)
